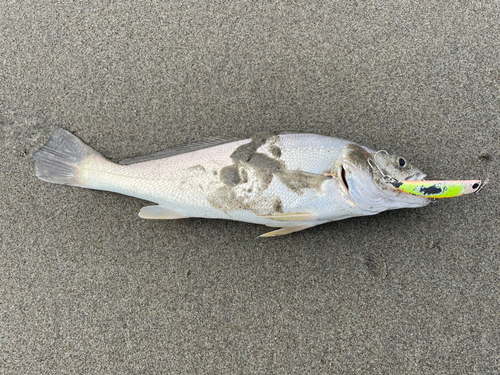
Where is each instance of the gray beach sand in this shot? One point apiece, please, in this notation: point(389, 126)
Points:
point(87, 287)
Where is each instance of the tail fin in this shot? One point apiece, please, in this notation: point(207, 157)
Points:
point(59, 160)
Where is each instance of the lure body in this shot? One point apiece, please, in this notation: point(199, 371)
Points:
point(439, 189)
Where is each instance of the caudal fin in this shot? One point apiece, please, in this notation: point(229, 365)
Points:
point(59, 160)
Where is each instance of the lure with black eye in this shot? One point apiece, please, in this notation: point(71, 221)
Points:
point(439, 189)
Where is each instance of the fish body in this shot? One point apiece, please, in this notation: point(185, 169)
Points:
point(289, 181)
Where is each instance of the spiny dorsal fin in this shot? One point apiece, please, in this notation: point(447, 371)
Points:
point(177, 150)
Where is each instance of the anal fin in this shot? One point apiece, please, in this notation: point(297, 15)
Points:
point(285, 230)
point(159, 212)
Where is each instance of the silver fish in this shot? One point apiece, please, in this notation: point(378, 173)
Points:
point(287, 181)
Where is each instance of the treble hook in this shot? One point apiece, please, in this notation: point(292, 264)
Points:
point(385, 177)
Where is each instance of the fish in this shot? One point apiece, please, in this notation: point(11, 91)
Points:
point(289, 182)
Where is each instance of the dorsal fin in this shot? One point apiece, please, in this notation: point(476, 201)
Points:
point(177, 150)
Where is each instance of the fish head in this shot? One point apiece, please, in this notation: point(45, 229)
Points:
point(364, 174)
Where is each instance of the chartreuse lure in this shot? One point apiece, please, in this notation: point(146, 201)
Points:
point(439, 189)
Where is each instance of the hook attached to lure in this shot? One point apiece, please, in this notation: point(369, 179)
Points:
point(430, 189)
point(385, 177)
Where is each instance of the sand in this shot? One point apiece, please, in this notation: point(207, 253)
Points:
point(87, 287)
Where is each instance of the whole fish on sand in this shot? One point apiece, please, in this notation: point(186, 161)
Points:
point(287, 181)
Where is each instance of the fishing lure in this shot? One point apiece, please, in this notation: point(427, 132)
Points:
point(439, 189)
point(429, 188)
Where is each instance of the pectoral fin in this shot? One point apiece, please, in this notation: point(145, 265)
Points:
point(285, 230)
point(159, 212)
point(294, 216)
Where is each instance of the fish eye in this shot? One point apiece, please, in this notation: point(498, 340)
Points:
point(402, 162)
